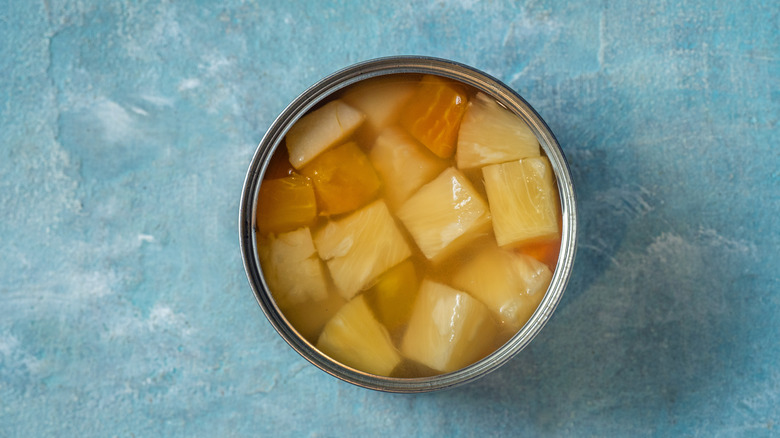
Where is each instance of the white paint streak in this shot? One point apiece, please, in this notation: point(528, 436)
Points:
point(161, 318)
point(725, 243)
point(158, 100)
point(92, 284)
point(189, 84)
point(116, 122)
point(138, 111)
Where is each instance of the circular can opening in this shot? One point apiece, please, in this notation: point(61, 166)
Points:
point(358, 117)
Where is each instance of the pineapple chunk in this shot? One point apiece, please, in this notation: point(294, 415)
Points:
point(448, 329)
point(320, 129)
point(343, 179)
point(393, 294)
point(491, 134)
point(381, 99)
point(433, 114)
point(445, 214)
point(523, 201)
point(308, 318)
point(403, 164)
point(292, 269)
point(510, 284)
point(360, 247)
point(285, 204)
point(356, 339)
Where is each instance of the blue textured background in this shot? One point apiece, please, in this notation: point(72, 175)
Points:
point(126, 129)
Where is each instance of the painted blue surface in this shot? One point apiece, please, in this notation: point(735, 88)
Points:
point(125, 132)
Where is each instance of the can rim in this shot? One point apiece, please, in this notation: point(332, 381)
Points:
point(387, 66)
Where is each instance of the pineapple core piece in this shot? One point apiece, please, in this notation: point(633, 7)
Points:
point(523, 201)
point(360, 247)
point(381, 99)
point(433, 114)
point(356, 339)
point(445, 214)
point(491, 134)
point(448, 329)
point(320, 129)
point(510, 284)
point(393, 294)
point(285, 204)
point(292, 269)
point(343, 179)
point(403, 163)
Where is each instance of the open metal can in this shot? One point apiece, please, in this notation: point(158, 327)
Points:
point(321, 91)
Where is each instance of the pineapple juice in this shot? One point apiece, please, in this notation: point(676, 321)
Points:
point(409, 225)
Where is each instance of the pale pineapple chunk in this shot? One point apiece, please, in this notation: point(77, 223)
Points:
point(291, 268)
point(380, 99)
point(445, 214)
point(360, 247)
point(403, 164)
point(356, 339)
point(510, 284)
point(448, 330)
point(319, 130)
point(523, 201)
point(491, 134)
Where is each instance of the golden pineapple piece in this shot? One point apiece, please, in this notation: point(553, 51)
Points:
point(308, 318)
point(380, 99)
point(448, 330)
point(360, 247)
point(343, 179)
point(523, 201)
point(445, 214)
point(403, 164)
point(285, 204)
point(356, 339)
point(433, 114)
point(292, 269)
point(319, 130)
point(509, 283)
point(491, 134)
point(393, 294)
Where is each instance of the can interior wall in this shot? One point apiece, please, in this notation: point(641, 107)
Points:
point(388, 66)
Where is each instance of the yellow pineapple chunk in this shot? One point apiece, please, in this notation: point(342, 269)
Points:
point(445, 214)
point(523, 201)
point(380, 99)
point(320, 129)
point(356, 339)
point(360, 247)
point(491, 134)
point(308, 318)
point(393, 294)
point(448, 330)
point(285, 204)
point(510, 284)
point(292, 269)
point(343, 179)
point(403, 164)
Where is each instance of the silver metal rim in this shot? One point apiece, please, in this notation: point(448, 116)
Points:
point(394, 65)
